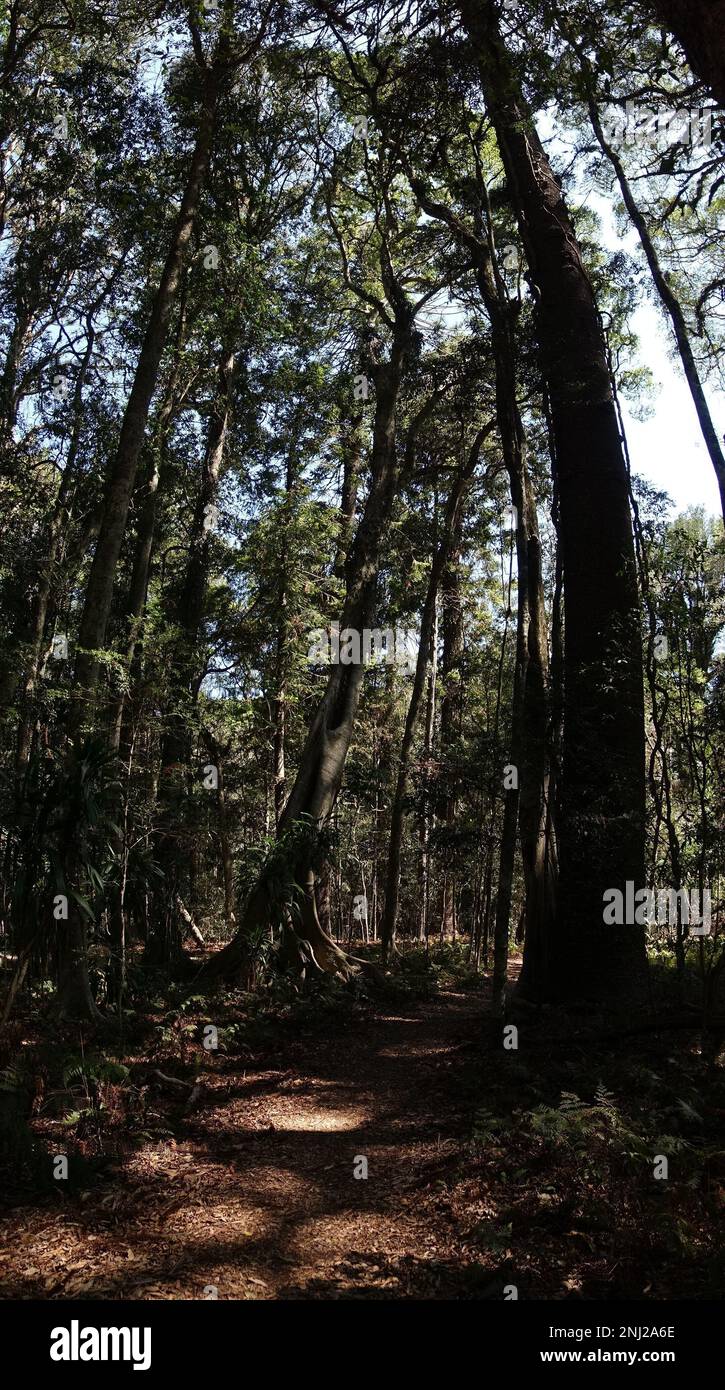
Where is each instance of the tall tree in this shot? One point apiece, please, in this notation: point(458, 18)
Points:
point(441, 558)
point(213, 74)
point(602, 792)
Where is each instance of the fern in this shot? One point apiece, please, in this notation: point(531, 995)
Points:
point(82, 1070)
point(570, 1102)
point(12, 1080)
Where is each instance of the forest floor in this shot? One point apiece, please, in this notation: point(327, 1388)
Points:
point(231, 1173)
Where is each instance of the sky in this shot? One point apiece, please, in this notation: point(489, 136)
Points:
point(668, 449)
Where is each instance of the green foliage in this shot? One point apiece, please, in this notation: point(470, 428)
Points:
point(320, 242)
point(599, 1126)
point(85, 1070)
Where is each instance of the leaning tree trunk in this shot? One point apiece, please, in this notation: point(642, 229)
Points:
point(99, 590)
point(323, 757)
point(669, 299)
point(602, 796)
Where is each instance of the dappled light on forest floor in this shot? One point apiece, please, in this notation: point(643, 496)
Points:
point(473, 1177)
point(322, 1121)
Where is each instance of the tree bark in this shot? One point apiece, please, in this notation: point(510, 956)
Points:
point(146, 531)
point(188, 670)
point(699, 27)
point(602, 794)
point(74, 1001)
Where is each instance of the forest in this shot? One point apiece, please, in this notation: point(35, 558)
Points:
point(362, 683)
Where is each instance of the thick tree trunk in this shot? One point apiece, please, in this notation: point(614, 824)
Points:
point(602, 796)
point(323, 889)
point(699, 27)
point(188, 667)
point(74, 1002)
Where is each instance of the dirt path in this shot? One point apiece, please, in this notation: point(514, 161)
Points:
point(255, 1197)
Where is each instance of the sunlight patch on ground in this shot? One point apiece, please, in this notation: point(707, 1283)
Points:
point(319, 1120)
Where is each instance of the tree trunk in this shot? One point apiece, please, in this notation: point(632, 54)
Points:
point(451, 656)
point(426, 809)
point(323, 757)
point(74, 1002)
point(146, 533)
point(602, 794)
point(440, 561)
point(188, 667)
point(529, 750)
point(699, 27)
point(99, 590)
point(74, 999)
